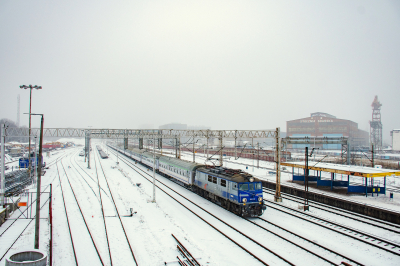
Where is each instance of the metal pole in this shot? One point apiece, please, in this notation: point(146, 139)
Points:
point(252, 154)
point(35, 168)
point(154, 169)
point(235, 145)
point(306, 182)
point(30, 111)
point(51, 227)
point(88, 150)
point(207, 147)
point(278, 197)
point(372, 151)
point(2, 188)
point(221, 155)
point(258, 154)
point(37, 220)
point(194, 152)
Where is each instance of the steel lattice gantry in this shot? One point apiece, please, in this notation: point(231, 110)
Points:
point(158, 134)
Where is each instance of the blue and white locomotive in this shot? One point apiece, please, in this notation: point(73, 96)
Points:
point(235, 190)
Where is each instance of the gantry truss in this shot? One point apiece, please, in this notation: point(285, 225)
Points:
point(140, 133)
point(154, 134)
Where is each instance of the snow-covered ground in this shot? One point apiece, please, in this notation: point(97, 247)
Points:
point(149, 229)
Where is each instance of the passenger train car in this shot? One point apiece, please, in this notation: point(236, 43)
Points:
point(235, 190)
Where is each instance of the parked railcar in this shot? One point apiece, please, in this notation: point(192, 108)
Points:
point(235, 190)
point(103, 155)
point(98, 148)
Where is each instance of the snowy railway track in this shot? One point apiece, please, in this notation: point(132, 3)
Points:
point(82, 253)
point(355, 234)
point(118, 215)
point(270, 232)
point(341, 212)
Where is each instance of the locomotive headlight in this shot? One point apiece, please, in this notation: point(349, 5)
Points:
point(259, 199)
point(244, 200)
point(251, 179)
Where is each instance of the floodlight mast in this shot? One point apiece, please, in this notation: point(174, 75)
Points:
point(30, 87)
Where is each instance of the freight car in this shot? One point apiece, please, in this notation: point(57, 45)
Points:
point(234, 190)
point(103, 155)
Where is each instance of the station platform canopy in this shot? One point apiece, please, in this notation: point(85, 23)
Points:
point(367, 172)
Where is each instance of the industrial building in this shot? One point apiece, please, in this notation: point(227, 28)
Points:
point(325, 125)
point(395, 134)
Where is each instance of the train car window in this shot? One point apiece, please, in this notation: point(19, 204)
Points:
point(223, 183)
point(251, 186)
point(214, 180)
point(234, 186)
point(209, 178)
point(243, 186)
point(258, 186)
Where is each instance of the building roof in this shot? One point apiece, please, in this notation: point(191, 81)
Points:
point(368, 172)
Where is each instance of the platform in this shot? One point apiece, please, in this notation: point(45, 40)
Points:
point(369, 175)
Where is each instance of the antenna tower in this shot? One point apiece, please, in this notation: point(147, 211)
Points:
point(18, 110)
point(376, 124)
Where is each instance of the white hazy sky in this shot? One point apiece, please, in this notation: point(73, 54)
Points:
point(223, 64)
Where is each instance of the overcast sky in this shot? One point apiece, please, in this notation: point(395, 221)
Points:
point(223, 64)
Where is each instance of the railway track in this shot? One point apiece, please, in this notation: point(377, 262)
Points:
point(116, 209)
point(395, 228)
point(272, 234)
point(24, 224)
point(82, 253)
point(375, 241)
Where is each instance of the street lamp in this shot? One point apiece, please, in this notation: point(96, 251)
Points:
point(30, 87)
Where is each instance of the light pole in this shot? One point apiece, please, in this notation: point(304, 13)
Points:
point(37, 217)
point(30, 87)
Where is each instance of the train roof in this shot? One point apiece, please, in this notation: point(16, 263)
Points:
point(234, 175)
point(190, 166)
point(149, 154)
point(136, 151)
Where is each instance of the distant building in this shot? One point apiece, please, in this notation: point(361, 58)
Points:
point(395, 133)
point(326, 125)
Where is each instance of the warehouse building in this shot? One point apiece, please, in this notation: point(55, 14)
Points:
point(326, 125)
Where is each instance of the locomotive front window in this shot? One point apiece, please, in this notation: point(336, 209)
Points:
point(243, 186)
point(258, 186)
point(251, 186)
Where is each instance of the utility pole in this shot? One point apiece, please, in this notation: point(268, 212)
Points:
point(372, 153)
point(154, 169)
point(37, 218)
point(258, 154)
point(278, 197)
point(30, 87)
point(2, 188)
point(306, 182)
point(194, 156)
